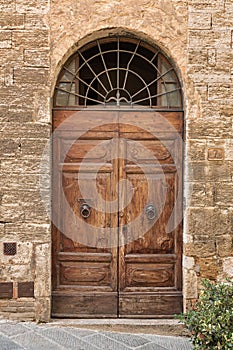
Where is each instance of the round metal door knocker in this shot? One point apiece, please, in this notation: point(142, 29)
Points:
point(85, 210)
point(150, 211)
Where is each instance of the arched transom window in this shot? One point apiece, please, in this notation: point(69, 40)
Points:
point(118, 71)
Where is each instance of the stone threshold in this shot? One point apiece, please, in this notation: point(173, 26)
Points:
point(169, 327)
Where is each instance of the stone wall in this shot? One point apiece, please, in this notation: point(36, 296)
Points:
point(25, 128)
point(208, 230)
point(36, 38)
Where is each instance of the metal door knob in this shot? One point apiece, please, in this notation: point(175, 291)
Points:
point(150, 211)
point(85, 210)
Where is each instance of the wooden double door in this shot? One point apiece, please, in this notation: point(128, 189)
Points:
point(117, 212)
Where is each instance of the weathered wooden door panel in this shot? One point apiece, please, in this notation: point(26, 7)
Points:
point(150, 305)
point(124, 259)
point(85, 261)
point(150, 254)
point(84, 305)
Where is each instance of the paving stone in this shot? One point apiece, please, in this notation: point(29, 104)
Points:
point(33, 341)
point(31, 336)
point(171, 343)
point(8, 344)
point(103, 342)
point(11, 329)
point(65, 339)
point(78, 332)
point(131, 340)
point(33, 325)
point(152, 346)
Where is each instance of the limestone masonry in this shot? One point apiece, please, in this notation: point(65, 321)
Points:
point(36, 39)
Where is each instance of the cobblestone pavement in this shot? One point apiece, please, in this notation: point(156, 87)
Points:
point(30, 336)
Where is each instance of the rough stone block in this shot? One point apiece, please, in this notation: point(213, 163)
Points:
point(208, 221)
point(215, 126)
point(39, 58)
point(31, 130)
point(32, 6)
point(201, 195)
point(190, 284)
point(31, 76)
point(42, 309)
point(197, 56)
point(7, 6)
point(220, 91)
point(19, 272)
point(23, 256)
point(23, 309)
point(188, 262)
point(201, 247)
point(228, 266)
point(36, 21)
point(11, 21)
point(25, 165)
point(8, 147)
point(30, 39)
point(219, 38)
point(23, 182)
point(17, 115)
point(199, 20)
point(42, 111)
point(196, 150)
point(223, 19)
point(211, 171)
point(215, 75)
point(11, 213)
point(9, 76)
point(224, 245)
point(224, 194)
point(228, 145)
point(14, 97)
point(209, 267)
point(212, 56)
point(43, 270)
point(32, 232)
point(213, 5)
point(5, 39)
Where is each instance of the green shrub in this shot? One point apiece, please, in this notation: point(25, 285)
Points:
point(211, 319)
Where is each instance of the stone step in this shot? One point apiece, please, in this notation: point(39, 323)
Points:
point(169, 327)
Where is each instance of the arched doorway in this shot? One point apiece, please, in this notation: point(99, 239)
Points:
point(117, 183)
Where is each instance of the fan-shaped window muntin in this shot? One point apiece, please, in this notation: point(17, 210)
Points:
point(118, 72)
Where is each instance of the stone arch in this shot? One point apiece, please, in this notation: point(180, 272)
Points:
point(129, 35)
point(122, 32)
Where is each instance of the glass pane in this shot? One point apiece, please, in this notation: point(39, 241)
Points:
point(167, 74)
point(72, 98)
point(170, 99)
point(63, 94)
point(114, 64)
point(71, 66)
point(61, 98)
